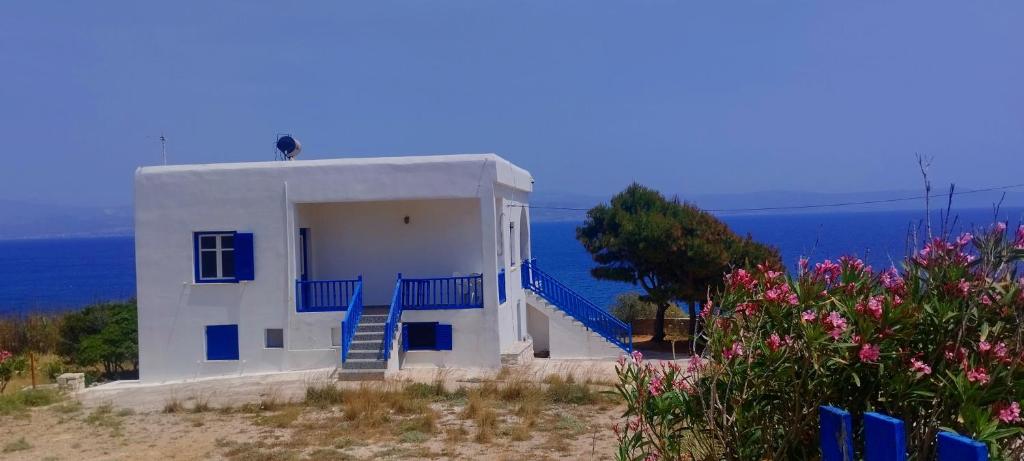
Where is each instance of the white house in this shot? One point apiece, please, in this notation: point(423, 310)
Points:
point(368, 265)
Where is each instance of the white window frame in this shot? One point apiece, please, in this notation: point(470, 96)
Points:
point(219, 249)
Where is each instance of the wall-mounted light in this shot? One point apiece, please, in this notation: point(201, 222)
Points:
point(406, 219)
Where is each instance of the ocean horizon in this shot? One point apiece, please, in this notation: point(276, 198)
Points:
point(51, 275)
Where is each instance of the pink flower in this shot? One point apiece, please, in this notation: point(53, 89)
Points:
point(652, 457)
point(918, 366)
point(695, 365)
point(637, 356)
point(964, 239)
point(808, 316)
point(1008, 413)
point(656, 386)
point(747, 309)
point(774, 342)
point(4, 355)
point(1000, 227)
point(984, 346)
point(963, 287)
point(1001, 351)
point(829, 270)
point(835, 323)
point(892, 281)
point(740, 279)
point(869, 353)
point(622, 360)
point(978, 375)
point(736, 350)
point(872, 308)
point(803, 264)
point(1019, 242)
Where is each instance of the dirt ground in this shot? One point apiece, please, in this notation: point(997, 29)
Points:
point(546, 411)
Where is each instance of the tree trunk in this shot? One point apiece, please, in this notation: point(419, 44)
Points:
point(659, 324)
point(696, 343)
point(691, 308)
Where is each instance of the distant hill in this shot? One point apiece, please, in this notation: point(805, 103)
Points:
point(22, 220)
point(551, 205)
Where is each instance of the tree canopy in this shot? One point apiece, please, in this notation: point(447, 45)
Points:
point(672, 249)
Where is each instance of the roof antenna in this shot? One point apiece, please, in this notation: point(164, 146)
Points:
point(163, 147)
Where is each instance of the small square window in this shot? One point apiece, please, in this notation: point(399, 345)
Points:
point(274, 338)
point(336, 337)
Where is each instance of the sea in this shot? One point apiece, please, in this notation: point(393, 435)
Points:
point(69, 273)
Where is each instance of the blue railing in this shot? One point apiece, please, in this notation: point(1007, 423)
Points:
point(350, 323)
point(502, 296)
point(461, 292)
point(324, 295)
point(885, 438)
point(394, 316)
point(572, 303)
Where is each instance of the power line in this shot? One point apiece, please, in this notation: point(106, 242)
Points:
point(810, 206)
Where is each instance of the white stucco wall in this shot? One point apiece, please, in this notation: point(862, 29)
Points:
point(266, 199)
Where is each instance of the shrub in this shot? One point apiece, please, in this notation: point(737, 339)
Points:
point(102, 334)
point(937, 345)
point(10, 367)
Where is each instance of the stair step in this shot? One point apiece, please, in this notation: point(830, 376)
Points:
point(372, 345)
point(368, 336)
point(373, 354)
point(364, 364)
point(369, 327)
point(360, 375)
point(373, 319)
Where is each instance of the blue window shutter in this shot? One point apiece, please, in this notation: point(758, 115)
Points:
point(245, 264)
point(443, 337)
point(405, 337)
point(222, 342)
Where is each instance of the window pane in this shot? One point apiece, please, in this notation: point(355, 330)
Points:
point(227, 241)
point(207, 264)
point(275, 338)
point(227, 265)
point(421, 335)
point(207, 242)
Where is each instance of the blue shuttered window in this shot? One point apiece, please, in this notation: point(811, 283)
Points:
point(223, 257)
point(222, 342)
point(426, 336)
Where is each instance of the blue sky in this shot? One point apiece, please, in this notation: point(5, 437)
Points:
point(688, 97)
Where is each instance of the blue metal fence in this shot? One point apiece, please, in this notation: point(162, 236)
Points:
point(394, 316)
point(350, 323)
point(572, 303)
point(460, 292)
point(885, 439)
point(324, 295)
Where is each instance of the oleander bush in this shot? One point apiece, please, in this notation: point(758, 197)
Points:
point(938, 344)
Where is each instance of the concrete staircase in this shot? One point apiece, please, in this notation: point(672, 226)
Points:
point(568, 337)
point(366, 354)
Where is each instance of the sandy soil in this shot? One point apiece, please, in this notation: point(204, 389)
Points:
point(262, 418)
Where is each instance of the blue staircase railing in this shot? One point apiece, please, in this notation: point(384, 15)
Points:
point(459, 292)
point(324, 295)
point(572, 303)
point(394, 316)
point(350, 323)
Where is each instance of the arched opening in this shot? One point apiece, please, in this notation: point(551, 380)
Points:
point(524, 234)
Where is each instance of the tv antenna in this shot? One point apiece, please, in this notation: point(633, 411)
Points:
point(163, 147)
